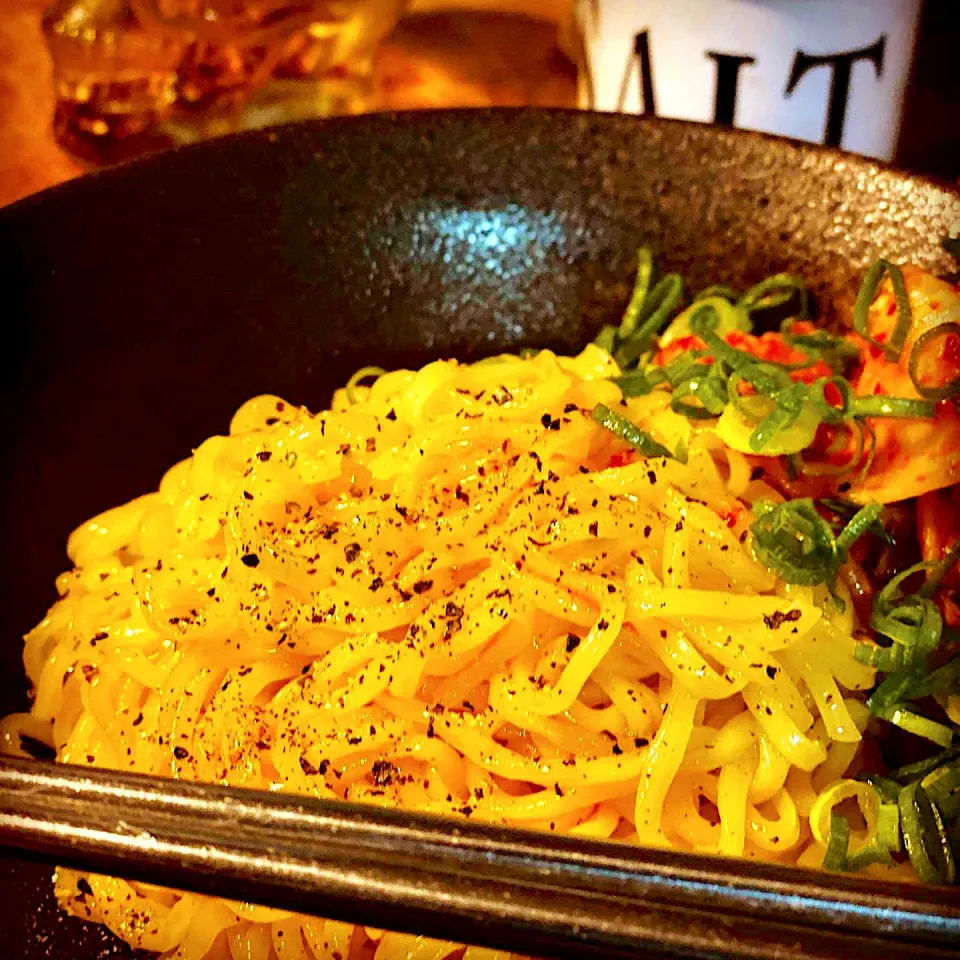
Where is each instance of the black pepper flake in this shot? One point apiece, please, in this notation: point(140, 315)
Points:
point(573, 641)
point(247, 495)
point(570, 407)
point(778, 618)
point(250, 560)
point(375, 584)
point(264, 455)
point(138, 719)
point(181, 753)
point(594, 529)
point(551, 423)
point(640, 742)
point(772, 673)
point(392, 415)
point(421, 586)
point(678, 527)
point(617, 750)
point(84, 887)
point(743, 536)
point(652, 477)
point(557, 790)
point(383, 772)
point(602, 624)
point(430, 731)
point(308, 768)
point(351, 551)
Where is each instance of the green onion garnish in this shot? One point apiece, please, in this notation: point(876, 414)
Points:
point(868, 292)
point(917, 724)
point(917, 771)
point(606, 339)
point(943, 788)
point(933, 392)
point(641, 286)
point(654, 312)
point(717, 290)
point(775, 291)
point(798, 545)
point(364, 373)
point(892, 407)
point(621, 427)
point(925, 836)
point(836, 856)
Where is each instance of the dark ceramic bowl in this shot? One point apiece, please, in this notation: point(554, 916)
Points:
point(143, 305)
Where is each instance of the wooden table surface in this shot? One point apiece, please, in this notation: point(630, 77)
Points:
point(433, 59)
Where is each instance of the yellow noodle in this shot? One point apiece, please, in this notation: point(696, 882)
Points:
point(446, 596)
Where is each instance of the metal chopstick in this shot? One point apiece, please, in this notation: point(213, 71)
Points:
point(534, 893)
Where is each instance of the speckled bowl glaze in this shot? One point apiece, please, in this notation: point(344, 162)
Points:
point(143, 305)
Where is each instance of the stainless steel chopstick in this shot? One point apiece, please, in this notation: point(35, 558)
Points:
point(529, 892)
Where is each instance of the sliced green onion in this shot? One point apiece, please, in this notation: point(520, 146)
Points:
point(641, 286)
point(917, 771)
point(796, 543)
point(708, 391)
point(638, 383)
point(837, 352)
point(855, 429)
point(943, 391)
point(888, 789)
point(945, 679)
point(364, 373)
point(925, 836)
point(847, 509)
point(790, 403)
point(621, 427)
point(827, 411)
point(943, 788)
point(915, 723)
point(861, 522)
point(606, 339)
point(775, 291)
point(868, 292)
point(717, 290)
point(867, 856)
point(884, 659)
point(662, 300)
point(888, 825)
point(893, 689)
point(836, 856)
point(892, 407)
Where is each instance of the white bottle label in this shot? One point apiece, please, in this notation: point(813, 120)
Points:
point(828, 71)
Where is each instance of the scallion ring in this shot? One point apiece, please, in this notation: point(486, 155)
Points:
point(364, 373)
point(867, 294)
point(943, 391)
point(925, 836)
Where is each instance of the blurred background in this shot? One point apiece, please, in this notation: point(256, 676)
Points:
point(88, 83)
